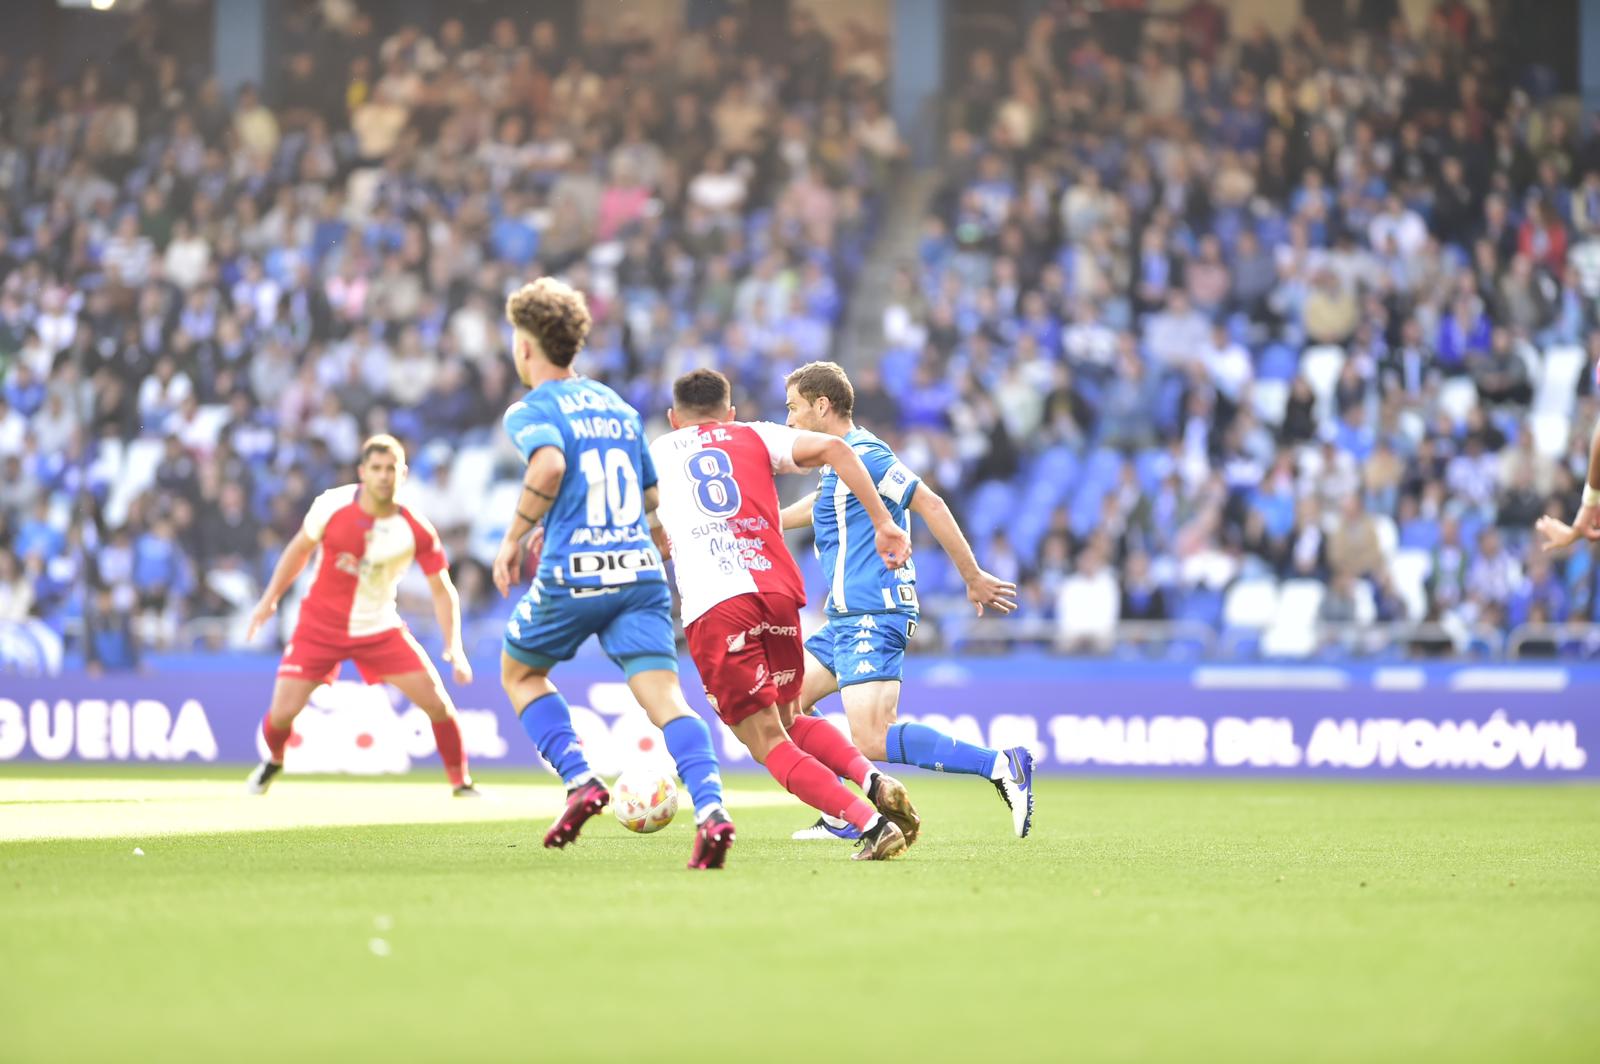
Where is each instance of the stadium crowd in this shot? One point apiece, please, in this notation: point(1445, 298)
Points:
point(206, 302)
point(1204, 324)
point(1268, 333)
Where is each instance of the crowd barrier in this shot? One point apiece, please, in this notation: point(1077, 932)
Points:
point(1078, 716)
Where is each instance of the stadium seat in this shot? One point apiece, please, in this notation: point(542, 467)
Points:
point(1270, 399)
point(1557, 389)
point(1293, 632)
point(1200, 604)
point(470, 475)
point(993, 506)
point(1321, 366)
point(1551, 431)
point(1388, 534)
point(1251, 603)
point(1277, 363)
point(1410, 569)
point(139, 465)
point(1458, 397)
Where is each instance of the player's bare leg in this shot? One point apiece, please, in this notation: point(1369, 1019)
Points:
point(871, 708)
point(805, 777)
point(427, 692)
point(817, 684)
point(526, 684)
point(289, 697)
point(689, 742)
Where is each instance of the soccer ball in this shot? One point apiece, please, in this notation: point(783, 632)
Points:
point(644, 800)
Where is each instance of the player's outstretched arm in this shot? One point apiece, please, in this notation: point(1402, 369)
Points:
point(798, 514)
point(813, 449)
point(983, 589)
point(540, 484)
point(447, 611)
point(284, 574)
point(1558, 535)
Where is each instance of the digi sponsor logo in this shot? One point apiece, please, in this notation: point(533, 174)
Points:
point(779, 630)
point(612, 563)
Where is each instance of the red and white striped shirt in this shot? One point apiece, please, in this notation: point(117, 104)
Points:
point(719, 506)
point(363, 558)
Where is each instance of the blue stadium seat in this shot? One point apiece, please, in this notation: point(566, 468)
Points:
point(1278, 362)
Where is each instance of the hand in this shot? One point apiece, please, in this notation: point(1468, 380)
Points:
point(985, 589)
point(460, 667)
point(258, 619)
point(1557, 535)
point(507, 566)
point(894, 545)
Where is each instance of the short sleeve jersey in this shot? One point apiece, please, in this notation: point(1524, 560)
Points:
point(719, 506)
point(858, 581)
point(363, 558)
point(595, 534)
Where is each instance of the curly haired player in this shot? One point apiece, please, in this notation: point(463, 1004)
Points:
point(590, 480)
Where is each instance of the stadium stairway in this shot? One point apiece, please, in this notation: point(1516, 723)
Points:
point(861, 341)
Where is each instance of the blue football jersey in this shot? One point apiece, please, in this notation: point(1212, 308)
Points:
point(858, 581)
point(594, 534)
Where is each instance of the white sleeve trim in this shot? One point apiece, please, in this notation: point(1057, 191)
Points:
point(780, 441)
point(322, 510)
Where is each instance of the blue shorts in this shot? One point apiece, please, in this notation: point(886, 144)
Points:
point(634, 624)
point(864, 647)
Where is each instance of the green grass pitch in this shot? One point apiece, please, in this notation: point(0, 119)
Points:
point(1144, 920)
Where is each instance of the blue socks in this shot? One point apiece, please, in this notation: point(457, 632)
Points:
point(689, 743)
point(548, 723)
point(925, 747)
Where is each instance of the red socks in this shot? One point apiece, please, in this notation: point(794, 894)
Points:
point(810, 781)
point(832, 747)
point(447, 736)
point(276, 740)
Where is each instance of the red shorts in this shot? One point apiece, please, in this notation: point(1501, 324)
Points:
point(749, 653)
point(315, 656)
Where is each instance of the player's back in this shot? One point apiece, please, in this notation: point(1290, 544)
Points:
point(858, 581)
point(719, 506)
point(595, 535)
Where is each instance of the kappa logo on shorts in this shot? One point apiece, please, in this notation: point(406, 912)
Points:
point(865, 667)
point(736, 642)
point(863, 647)
point(866, 624)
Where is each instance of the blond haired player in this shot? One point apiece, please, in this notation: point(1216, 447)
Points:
point(367, 540)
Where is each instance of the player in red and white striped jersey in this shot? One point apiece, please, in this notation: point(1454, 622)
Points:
point(720, 520)
point(368, 540)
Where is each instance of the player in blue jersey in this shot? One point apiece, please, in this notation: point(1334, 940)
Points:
point(872, 610)
point(591, 483)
